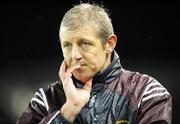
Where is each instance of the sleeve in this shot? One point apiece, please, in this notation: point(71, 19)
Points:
point(37, 112)
point(156, 105)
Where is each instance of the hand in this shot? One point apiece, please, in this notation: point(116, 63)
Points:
point(75, 98)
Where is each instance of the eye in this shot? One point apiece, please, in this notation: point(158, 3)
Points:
point(85, 44)
point(67, 45)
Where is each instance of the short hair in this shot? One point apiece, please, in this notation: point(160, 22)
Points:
point(91, 15)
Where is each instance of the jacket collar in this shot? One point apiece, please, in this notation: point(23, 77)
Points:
point(111, 72)
point(105, 77)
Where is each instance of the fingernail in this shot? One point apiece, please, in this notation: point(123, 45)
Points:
point(77, 66)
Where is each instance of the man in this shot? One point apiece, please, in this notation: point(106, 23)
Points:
point(93, 87)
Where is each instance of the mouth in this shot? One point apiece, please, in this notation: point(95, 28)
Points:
point(80, 64)
point(81, 67)
point(83, 64)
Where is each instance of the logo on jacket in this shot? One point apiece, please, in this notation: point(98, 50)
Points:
point(122, 122)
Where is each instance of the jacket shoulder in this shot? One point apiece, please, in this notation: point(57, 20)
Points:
point(137, 86)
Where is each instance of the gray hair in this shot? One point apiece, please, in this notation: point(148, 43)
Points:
point(90, 15)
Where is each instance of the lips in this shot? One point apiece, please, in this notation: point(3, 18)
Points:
point(81, 68)
point(81, 64)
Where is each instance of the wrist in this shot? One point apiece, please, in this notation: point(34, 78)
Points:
point(70, 110)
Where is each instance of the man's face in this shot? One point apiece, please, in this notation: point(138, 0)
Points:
point(83, 47)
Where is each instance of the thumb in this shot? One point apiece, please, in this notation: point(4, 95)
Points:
point(88, 85)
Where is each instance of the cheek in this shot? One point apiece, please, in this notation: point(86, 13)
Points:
point(97, 61)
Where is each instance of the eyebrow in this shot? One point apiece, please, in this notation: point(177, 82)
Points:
point(84, 39)
point(65, 42)
point(81, 39)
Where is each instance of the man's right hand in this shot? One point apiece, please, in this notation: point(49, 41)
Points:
point(75, 98)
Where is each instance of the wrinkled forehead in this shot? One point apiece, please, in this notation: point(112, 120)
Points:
point(86, 32)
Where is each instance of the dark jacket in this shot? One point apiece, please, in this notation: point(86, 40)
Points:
point(118, 96)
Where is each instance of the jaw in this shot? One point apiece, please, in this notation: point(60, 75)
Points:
point(82, 75)
point(82, 79)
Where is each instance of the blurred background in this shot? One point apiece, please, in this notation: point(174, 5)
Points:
point(148, 36)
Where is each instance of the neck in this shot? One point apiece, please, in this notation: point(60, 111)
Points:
point(106, 63)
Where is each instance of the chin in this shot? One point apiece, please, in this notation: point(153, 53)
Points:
point(83, 78)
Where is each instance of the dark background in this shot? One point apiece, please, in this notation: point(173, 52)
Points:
point(148, 36)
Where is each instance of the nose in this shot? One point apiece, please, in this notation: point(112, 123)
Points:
point(76, 53)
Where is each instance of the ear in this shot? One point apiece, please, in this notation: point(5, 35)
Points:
point(111, 43)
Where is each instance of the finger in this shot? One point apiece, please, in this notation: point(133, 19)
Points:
point(88, 85)
point(62, 70)
point(68, 84)
point(67, 76)
point(71, 69)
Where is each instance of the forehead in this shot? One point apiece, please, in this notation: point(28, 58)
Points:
point(83, 32)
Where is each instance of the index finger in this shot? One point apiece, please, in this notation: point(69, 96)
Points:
point(62, 70)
